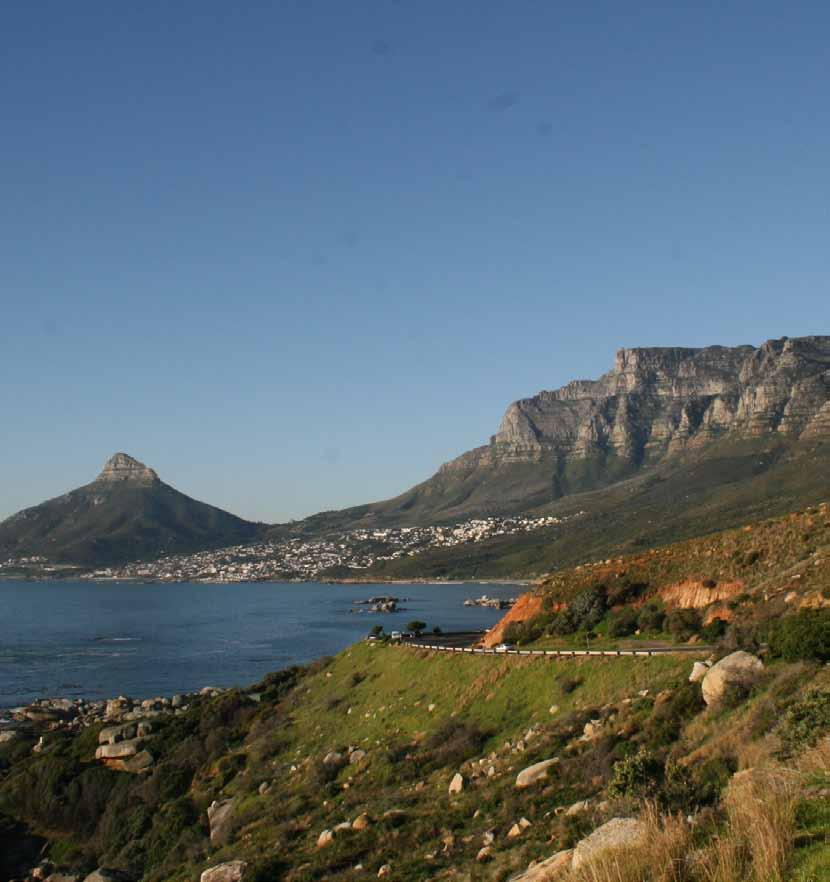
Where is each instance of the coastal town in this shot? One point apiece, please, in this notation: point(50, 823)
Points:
point(307, 559)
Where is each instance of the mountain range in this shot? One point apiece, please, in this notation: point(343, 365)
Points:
point(670, 442)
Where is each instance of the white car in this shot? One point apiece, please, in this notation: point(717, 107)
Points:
point(395, 635)
point(505, 647)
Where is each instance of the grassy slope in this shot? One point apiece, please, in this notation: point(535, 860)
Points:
point(228, 747)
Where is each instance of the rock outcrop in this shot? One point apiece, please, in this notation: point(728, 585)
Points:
point(659, 400)
point(219, 817)
point(121, 467)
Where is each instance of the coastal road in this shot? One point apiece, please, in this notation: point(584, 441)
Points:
point(463, 641)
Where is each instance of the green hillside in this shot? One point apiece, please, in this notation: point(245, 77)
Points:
point(367, 745)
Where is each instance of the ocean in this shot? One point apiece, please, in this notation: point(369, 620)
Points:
point(102, 639)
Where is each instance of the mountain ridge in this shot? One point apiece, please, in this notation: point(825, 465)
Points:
point(127, 512)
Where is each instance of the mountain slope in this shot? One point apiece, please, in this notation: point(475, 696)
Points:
point(656, 406)
point(126, 513)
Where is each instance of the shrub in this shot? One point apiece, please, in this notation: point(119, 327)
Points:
point(683, 623)
point(651, 617)
point(416, 626)
point(639, 775)
point(624, 592)
point(804, 635)
point(805, 722)
point(568, 683)
point(526, 632)
point(450, 746)
point(713, 632)
point(624, 623)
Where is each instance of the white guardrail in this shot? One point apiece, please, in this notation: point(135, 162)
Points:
point(559, 653)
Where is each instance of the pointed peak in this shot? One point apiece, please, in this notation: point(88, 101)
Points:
point(121, 467)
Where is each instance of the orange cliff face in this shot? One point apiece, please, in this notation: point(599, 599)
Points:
point(526, 607)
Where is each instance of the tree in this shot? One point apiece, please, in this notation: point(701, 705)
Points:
point(416, 626)
point(437, 630)
point(804, 635)
point(376, 631)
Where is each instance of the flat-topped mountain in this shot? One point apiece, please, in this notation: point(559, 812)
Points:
point(654, 405)
point(126, 513)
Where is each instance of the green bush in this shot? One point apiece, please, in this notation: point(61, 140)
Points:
point(624, 623)
point(639, 775)
point(651, 617)
point(683, 623)
point(714, 631)
point(805, 722)
point(805, 635)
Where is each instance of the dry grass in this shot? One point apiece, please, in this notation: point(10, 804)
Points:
point(662, 856)
point(753, 846)
point(816, 760)
point(757, 841)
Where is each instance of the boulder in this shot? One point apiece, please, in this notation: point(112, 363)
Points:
point(102, 874)
point(699, 671)
point(119, 750)
point(457, 783)
point(732, 675)
point(142, 762)
point(325, 838)
point(362, 822)
point(484, 854)
point(7, 736)
point(614, 834)
point(534, 773)
point(219, 816)
point(114, 734)
point(592, 730)
point(230, 871)
point(518, 828)
point(334, 760)
point(385, 870)
point(554, 867)
point(577, 808)
point(356, 756)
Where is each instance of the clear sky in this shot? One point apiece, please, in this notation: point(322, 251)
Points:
point(295, 255)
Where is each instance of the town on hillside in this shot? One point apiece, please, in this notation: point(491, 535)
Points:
point(308, 559)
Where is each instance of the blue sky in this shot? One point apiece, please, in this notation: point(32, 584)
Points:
point(295, 255)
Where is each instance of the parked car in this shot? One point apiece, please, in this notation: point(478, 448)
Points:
point(505, 647)
point(396, 635)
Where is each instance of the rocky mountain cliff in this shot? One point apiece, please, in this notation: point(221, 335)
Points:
point(126, 513)
point(655, 402)
point(655, 413)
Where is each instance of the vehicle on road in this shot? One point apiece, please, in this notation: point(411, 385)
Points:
point(395, 635)
point(505, 647)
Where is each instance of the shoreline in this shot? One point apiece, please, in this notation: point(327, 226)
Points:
point(147, 581)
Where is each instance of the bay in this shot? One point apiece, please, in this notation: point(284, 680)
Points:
point(102, 639)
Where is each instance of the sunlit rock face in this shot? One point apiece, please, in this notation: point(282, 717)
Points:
point(121, 467)
point(657, 401)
